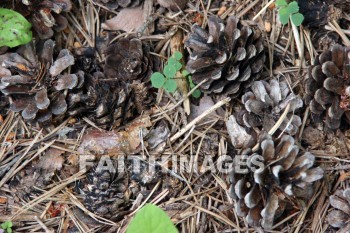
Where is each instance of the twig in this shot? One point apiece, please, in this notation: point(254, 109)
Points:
point(199, 118)
point(47, 230)
point(263, 9)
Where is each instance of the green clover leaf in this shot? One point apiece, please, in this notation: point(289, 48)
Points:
point(280, 3)
point(177, 56)
point(178, 66)
point(157, 80)
point(297, 19)
point(293, 7)
point(169, 71)
point(172, 61)
point(170, 85)
point(284, 15)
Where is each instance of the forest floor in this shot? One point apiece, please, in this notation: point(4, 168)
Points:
point(45, 188)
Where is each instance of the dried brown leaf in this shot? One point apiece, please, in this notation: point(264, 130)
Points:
point(128, 19)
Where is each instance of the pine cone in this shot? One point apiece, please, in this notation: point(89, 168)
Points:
point(328, 87)
point(318, 13)
point(104, 104)
point(57, 95)
point(230, 56)
point(103, 192)
point(340, 215)
point(114, 4)
point(45, 15)
point(276, 176)
point(127, 59)
point(265, 103)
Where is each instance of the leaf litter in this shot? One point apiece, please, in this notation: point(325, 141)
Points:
point(41, 187)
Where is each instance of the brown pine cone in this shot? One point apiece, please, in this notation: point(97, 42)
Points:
point(127, 59)
point(265, 103)
point(275, 177)
point(230, 56)
point(104, 192)
point(45, 15)
point(328, 87)
point(114, 4)
point(318, 13)
point(340, 215)
point(48, 97)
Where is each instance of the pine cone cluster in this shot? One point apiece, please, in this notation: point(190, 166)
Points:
point(278, 174)
point(49, 94)
point(45, 16)
point(265, 103)
point(228, 56)
point(328, 87)
point(114, 4)
point(340, 215)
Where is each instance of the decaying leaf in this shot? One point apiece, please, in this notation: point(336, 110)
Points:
point(128, 19)
point(52, 161)
point(158, 135)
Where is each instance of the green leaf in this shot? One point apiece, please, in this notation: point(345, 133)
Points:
point(169, 71)
point(14, 29)
point(170, 85)
point(9, 230)
point(177, 56)
point(9, 224)
point(197, 93)
point(157, 80)
point(280, 3)
point(172, 61)
point(151, 219)
point(185, 73)
point(5, 225)
point(178, 66)
point(293, 7)
point(297, 19)
point(284, 15)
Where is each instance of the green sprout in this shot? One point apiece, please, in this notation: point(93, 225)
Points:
point(151, 219)
point(167, 79)
point(289, 11)
point(14, 29)
point(7, 226)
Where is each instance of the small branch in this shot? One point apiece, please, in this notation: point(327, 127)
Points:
point(199, 118)
point(263, 9)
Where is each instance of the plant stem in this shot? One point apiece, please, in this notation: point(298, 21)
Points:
point(297, 38)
